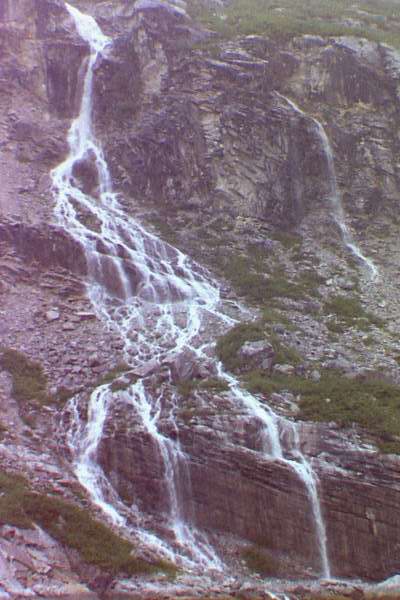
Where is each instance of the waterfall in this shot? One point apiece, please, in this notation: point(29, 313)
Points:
point(334, 194)
point(138, 282)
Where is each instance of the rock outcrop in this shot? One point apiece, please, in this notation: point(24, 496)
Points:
point(212, 133)
point(228, 487)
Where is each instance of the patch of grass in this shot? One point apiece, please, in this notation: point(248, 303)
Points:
point(167, 232)
point(271, 316)
point(3, 431)
point(228, 346)
point(71, 526)
point(260, 561)
point(292, 18)
point(350, 312)
point(369, 341)
point(29, 383)
point(113, 373)
point(334, 327)
point(284, 354)
point(186, 388)
point(13, 489)
point(64, 394)
point(326, 596)
point(369, 401)
point(212, 384)
point(289, 240)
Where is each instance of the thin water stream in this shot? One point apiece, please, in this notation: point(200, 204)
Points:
point(139, 283)
point(334, 195)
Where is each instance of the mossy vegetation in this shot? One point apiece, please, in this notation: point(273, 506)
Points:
point(71, 526)
point(376, 20)
point(369, 401)
point(228, 345)
point(113, 373)
point(260, 561)
point(261, 281)
point(29, 382)
point(349, 312)
point(212, 384)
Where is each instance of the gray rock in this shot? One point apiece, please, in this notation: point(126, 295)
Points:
point(284, 369)
point(53, 314)
point(267, 363)
point(315, 375)
point(251, 349)
point(146, 369)
point(346, 284)
point(184, 366)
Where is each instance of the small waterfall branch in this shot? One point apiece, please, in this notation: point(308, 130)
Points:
point(335, 195)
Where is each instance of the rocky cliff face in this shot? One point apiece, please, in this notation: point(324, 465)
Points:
point(217, 145)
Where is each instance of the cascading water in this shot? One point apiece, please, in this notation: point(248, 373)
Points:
point(334, 194)
point(137, 282)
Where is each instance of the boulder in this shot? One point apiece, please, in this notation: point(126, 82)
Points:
point(185, 366)
point(259, 354)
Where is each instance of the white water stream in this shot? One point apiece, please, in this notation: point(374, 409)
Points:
point(335, 196)
point(158, 301)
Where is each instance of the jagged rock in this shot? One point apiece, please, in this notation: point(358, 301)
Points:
point(184, 367)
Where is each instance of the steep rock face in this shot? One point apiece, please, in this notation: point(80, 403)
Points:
point(227, 487)
point(211, 132)
point(39, 95)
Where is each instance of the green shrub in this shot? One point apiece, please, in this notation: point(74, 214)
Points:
point(13, 489)
point(260, 561)
point(212, 384)
point(292, 18)
point(369, 401)
point(71, 526)
point(284, 354)
point(113, 373)
point(350, 312)
point(185, 388)
point(289, 240)
point(29, 383)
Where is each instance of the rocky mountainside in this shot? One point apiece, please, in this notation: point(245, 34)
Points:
point(225, 425)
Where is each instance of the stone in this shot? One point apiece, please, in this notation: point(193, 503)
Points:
point(53, 315)
point(346, 284)
point(267, 363)
point(146, 369)
point(340, 364)
point(252, 349)
point(184, 366)
point(94, 360)
point(315, 375)
point(284, 369)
